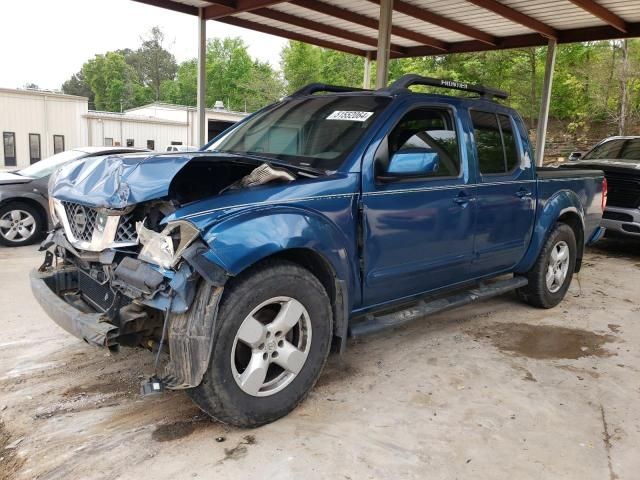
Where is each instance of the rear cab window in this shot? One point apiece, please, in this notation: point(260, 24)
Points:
point(496, 146)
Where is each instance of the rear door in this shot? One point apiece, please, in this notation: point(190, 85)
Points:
point(417, 230)
point(505, 193)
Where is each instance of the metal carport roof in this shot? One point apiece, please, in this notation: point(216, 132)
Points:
point(425, 27)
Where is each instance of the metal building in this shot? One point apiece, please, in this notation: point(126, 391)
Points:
point(36, 124)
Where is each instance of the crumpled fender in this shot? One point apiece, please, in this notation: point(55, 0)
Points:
point(242, 239)
point(561, 202)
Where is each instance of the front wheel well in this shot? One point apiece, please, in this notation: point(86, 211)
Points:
point(573, 221)
point(336, 289)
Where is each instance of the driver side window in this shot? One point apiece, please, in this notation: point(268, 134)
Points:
point(429, 130)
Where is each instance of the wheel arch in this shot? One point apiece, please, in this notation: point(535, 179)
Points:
point(562, 207)
point(319, 266)
point(575, 222)
point(32, 202)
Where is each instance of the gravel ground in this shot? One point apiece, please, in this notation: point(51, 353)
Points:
point(495, 390)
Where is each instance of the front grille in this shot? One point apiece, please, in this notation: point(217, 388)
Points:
point(97, 294)
point(126, 229)
point(624, 191)
point(82, 220)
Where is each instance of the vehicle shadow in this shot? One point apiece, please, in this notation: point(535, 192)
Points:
point(620, 247)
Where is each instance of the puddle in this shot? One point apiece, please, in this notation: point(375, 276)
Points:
point(180, 429)
point(173, 431)
point(545, 341)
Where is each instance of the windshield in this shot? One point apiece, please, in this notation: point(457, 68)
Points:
point(618, 149)
point(49, 165)
point(316, 132)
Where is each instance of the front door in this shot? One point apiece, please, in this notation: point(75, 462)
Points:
point(418, 209)
point(505, 194)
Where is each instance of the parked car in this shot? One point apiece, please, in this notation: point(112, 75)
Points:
point(182, 148)
point(329, 214)
point(24, 209)
point(619, 158)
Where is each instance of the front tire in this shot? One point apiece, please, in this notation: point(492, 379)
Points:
point(272, 339)
point(551, 275)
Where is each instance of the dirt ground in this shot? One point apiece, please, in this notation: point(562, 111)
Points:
point(497, 390)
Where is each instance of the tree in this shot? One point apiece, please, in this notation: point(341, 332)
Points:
point(153, 63)
point(114, 82)
point(77, 85)
point(302, 64)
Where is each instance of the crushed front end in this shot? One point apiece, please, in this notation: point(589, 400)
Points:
point(120, 277)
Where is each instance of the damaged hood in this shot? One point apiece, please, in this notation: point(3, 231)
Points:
point(117, 181)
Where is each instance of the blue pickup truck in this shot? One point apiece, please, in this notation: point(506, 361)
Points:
point(333, 213)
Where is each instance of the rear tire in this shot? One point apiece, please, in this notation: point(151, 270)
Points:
point(551, 275)
point(21, 224)
point(247, 384)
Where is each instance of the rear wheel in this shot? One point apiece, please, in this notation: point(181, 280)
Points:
point(20, 224)
point(273, 336)
point(550, 277)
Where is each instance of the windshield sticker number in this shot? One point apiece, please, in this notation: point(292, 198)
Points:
point(350, 116)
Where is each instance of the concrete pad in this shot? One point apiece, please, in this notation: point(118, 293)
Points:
point(495, 390)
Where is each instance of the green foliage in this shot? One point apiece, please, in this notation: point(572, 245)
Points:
point(303, 64)
point(114, 82)
point(77, 85)
point(153, 63)
point(594, 81)
point(588, 82)
point(127, 78)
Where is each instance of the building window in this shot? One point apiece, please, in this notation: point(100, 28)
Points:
point(58, 144)
point(9, 141)
point(34, 147)
point(176, 143)
point(108, 142)
point(151, 144)
point(130, 142)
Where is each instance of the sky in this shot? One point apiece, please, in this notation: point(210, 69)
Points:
point(46, 41)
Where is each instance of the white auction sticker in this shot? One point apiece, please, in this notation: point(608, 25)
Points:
point(350, 116)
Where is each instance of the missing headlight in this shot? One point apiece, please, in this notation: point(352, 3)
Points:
point(165, 248)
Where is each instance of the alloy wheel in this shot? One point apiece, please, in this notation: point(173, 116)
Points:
point(558, 266)
point(271, 346)
point(17, 226)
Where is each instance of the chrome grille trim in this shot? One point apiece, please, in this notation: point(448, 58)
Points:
point(81, 227)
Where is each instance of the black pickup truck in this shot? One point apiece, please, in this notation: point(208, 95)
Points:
point(619, 158)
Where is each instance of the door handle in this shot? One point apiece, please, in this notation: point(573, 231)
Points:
point(463, 199)
point(523, 193)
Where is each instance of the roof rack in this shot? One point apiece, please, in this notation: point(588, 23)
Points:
point(323, 87)
point(406, 81)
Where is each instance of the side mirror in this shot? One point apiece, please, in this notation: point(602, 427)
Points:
point(412, 162)
point(575, 156)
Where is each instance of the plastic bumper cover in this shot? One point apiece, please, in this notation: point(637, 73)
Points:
point(88, 326)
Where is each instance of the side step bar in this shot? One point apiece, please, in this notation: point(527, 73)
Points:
point(376, 323)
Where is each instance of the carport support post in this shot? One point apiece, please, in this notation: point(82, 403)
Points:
point(384, 43)
point(202, 76)
point(543, 117)
point(366, 81)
